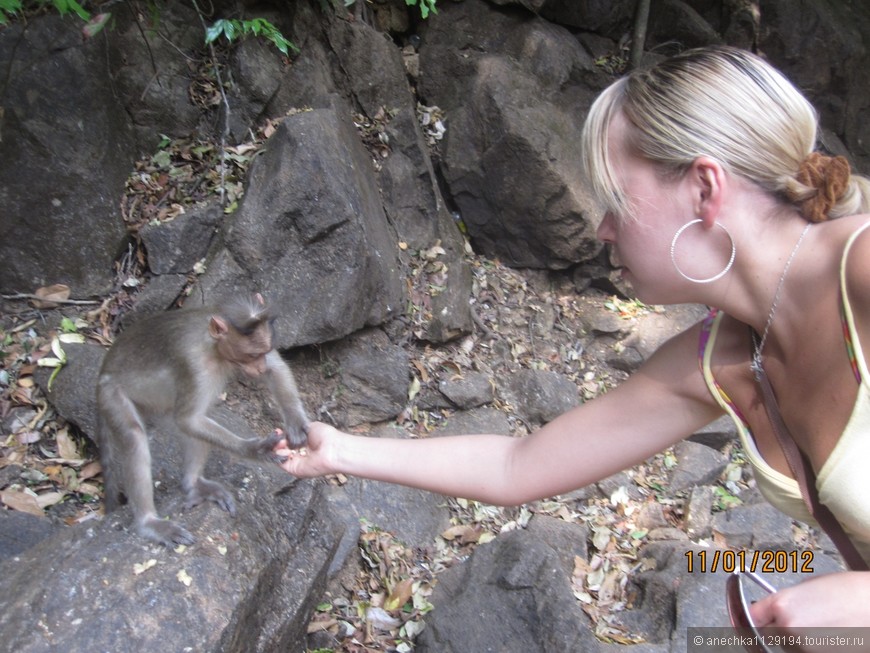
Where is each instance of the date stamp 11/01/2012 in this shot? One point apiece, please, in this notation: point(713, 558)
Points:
point(766, 561)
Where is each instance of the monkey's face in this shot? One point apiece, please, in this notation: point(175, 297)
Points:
point(246, 351)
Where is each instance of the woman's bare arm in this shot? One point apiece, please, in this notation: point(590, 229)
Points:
point(661, 403)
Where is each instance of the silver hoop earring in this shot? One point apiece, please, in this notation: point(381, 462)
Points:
point(708, 279)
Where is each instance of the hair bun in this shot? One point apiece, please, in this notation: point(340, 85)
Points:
point(829, 176)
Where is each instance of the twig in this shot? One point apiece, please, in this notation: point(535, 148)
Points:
point(487, 332)
point(147, 46)
point(226, 102)
point(47, 300)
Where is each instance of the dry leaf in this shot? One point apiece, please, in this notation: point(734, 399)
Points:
point(28, 437)
point(184, 578)
point(49, 295)
point(49, 499)
point(66, 447)
point(21, 501)
point(464, 533)
point(142, 567)
point(400, 595)
point(414, 388)
point(380, 619)
point(424, 373)
point(88, 488)
point(90, 470)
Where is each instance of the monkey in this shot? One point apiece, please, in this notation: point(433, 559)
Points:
point(176, 364)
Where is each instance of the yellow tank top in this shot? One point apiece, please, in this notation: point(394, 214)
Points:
point(843, 482)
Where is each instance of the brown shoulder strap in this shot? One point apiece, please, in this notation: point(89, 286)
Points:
point(804, 475)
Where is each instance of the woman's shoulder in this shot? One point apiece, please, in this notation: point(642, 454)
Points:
point(855, 263)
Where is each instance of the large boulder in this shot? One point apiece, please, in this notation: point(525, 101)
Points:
point(311, 234)
point(65, 154)
point(510, 85)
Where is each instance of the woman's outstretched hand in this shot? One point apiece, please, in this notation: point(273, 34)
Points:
point(315, 459)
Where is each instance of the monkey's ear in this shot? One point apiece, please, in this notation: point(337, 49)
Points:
point(259, 298)
point(217, 327)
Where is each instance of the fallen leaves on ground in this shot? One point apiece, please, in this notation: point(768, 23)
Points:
point(43, 462)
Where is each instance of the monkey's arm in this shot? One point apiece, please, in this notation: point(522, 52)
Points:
point(195, 423)
point(660, 404)
point(280, 382)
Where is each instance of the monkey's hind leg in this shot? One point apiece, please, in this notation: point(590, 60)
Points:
point(197, 486)
point(128, 460)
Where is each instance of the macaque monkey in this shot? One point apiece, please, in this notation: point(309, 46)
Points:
point(176, 365)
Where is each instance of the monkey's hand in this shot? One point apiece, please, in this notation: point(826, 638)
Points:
point(264, 448)
point(296, 436)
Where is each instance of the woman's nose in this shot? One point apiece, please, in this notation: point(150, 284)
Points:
point(606, 232)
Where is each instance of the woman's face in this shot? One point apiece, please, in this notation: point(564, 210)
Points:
point(641, 242)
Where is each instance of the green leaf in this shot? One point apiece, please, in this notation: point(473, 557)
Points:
point(282, 44)
point(163, 159)
point(67, 325)
point(426, 6)
point(53, 376)
point(222, 26)
point(66, 6)
point(8, 7)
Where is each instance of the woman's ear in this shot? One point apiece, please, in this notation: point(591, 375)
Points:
point(708, 184)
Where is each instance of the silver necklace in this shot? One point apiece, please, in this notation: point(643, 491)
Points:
point(755, 365)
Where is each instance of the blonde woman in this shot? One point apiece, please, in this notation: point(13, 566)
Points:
point(713, 194)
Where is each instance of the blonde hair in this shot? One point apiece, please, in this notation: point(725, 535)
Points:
point(720, 102)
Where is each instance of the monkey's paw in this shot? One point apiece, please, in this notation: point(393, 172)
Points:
point(165, 532)
point(264, 448)
point(297, 437)
point(206, 490)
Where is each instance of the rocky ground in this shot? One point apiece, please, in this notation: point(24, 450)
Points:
point(588, 337)
point(527, 320)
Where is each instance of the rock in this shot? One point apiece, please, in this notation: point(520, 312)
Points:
point(651, 516)
point(374, 376)
point(541, 396)
point(154, 82)
point(511, 165)
point(697, 465)
point(675, 20)
point(513, 594)
point(758, 526)
point(474, 390)
point(74, 390)
point(310, 227)
point(257, 70)
point(479, 420)
point(698, 513)
point(20, 531)
point(414, 516)
point(607, 486)
point(249, 583)
point(408, 185)
point(174, 247)
point(160, 293)
point(717, 434)
point(66, 149)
